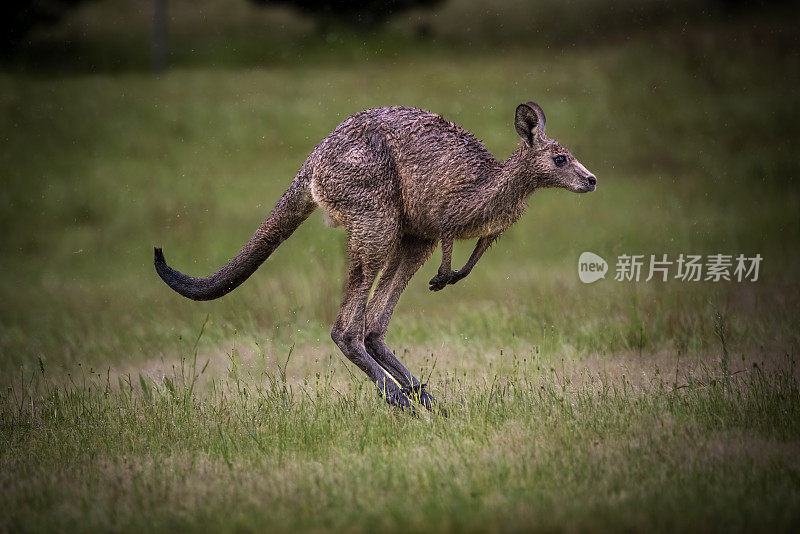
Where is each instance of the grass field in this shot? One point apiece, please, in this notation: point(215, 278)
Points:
point(611, 406)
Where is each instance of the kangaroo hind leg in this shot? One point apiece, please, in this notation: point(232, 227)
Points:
point(368, 246)
point(408, 256)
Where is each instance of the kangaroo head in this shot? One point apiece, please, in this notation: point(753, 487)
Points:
point(549, 163)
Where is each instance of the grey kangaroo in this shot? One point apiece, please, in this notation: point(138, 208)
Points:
point(400, 180)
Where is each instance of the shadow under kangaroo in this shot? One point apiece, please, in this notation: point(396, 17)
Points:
point(400, 180)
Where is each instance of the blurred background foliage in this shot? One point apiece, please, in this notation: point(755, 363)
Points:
point(114, 35)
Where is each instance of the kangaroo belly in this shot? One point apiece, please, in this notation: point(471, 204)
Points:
point(421, 212)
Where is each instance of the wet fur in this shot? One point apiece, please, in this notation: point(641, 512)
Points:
point(400, 180)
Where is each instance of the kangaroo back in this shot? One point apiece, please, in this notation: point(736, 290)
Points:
point(293, 208)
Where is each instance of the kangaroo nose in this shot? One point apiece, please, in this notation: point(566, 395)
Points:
point(592, 180)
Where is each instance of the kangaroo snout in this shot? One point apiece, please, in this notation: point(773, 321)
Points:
point(592, 181)
point(586, 183)
point(579, 179)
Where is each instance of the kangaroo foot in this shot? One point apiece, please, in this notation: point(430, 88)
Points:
point(420, 394)
point(398, 399)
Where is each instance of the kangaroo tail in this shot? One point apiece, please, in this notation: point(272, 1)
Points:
point(293, 208)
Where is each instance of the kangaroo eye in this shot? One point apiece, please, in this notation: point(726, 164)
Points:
point(560, 161)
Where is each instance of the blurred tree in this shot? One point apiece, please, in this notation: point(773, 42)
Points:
point(18, 17)
point(360, 15)
point(159, 36)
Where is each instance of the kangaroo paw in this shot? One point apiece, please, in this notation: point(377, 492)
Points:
point(438, 282)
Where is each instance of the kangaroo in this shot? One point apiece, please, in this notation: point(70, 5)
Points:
point(400, 180)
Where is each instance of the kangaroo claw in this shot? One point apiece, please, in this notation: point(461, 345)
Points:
point(438, 282)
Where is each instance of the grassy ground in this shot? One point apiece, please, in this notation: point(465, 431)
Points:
point(606, 406)
point(532, 447)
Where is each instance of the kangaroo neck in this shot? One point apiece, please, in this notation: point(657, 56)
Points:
point(513, 184)
point(501, 201)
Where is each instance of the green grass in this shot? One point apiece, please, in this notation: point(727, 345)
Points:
point(535, 447)
point(574, 407)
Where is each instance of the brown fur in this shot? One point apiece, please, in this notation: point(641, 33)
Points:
point(399, 180)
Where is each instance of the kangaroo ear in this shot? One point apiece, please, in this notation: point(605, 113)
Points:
point(529, 122)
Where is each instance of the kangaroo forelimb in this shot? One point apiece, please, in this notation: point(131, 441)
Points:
point(480, 247)
point(446, 275)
